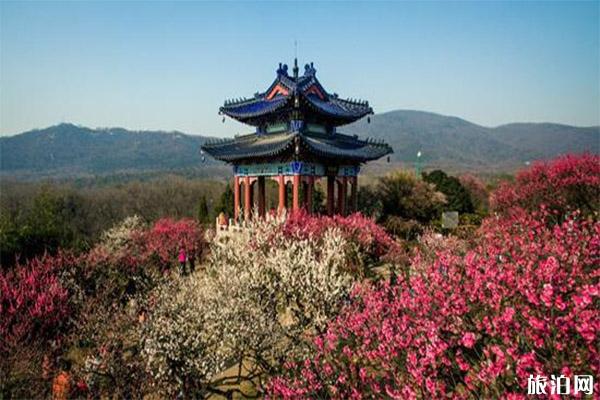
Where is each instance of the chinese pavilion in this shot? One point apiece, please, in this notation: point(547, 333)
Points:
point(296, 141)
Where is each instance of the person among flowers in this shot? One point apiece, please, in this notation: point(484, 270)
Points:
point(182, 259)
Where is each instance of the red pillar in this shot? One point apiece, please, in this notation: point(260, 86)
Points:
point(330, 194)
point(261, 196)
point(247, 198)
point(296, 194)
point(310, 187)
point(282, 193)
point(354, 194)
point(236, 198)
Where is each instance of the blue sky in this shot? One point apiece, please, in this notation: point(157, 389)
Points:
point(170, 65)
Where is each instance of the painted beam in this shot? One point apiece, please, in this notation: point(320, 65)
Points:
point(294, 168)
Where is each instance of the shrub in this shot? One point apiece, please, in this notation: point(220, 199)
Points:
point(118, 266)
point(368, 202)
point(467, 325)
point(87, 307)
point(457, 197)
point(478, 191)
point(107, 348)
point(370, 243)
point(164, 239)
point(117, 277)
point(35, 311)
point(131, 244)
point(564, 184)
point(405, 198)
point(261, 297)
point(121, 237)
point(34, 304)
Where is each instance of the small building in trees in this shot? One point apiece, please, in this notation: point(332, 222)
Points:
point(296, 141)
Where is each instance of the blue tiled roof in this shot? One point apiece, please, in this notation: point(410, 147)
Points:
point(340, 111)
point(337, 146)
point(249, 146)
point(340, 108)
point(342, 146)
point(255, 107)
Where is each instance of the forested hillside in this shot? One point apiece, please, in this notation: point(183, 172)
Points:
point(67, 150)
point(452, 142)
point(70, 150)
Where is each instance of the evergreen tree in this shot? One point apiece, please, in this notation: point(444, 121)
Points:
point(225, 204)
point(369, 203)
point(203, 215)
point(457, 197)
point(403, 195)
point(318, 200)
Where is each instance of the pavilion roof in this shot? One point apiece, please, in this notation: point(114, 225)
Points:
point(289, 92)
point(332, 147)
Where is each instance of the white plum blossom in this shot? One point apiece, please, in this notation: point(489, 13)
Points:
point(260, 298)
point(120, 235)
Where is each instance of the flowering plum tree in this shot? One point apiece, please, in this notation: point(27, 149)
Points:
point(369, 243)
point(117, 277)
point(564, 184)
point(476, 187)
point(33, 301)
point(121, 237)
point(164, 239)
point(132, 244)
point(261, 297)
point(90, 303)
point(35, 308)
point(475, 324)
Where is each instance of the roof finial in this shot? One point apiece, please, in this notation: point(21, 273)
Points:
point(295, 68)
point(282, 70)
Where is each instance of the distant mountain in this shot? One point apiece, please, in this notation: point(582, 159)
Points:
point(67, 150)
point(71, 150)
point(547, 140)
point(453, 142)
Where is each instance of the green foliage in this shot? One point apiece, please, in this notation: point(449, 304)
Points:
point(403, 195)
point(368, 202)
point(318, 200)
point(476, 187)
point(50, 221)
point(407, 203)
point(203, 215)
point(225, 204)
point(10, 243)
point(38, 217)
point(457, 197)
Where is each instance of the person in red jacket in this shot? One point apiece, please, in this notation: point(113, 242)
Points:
point(182, 259)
